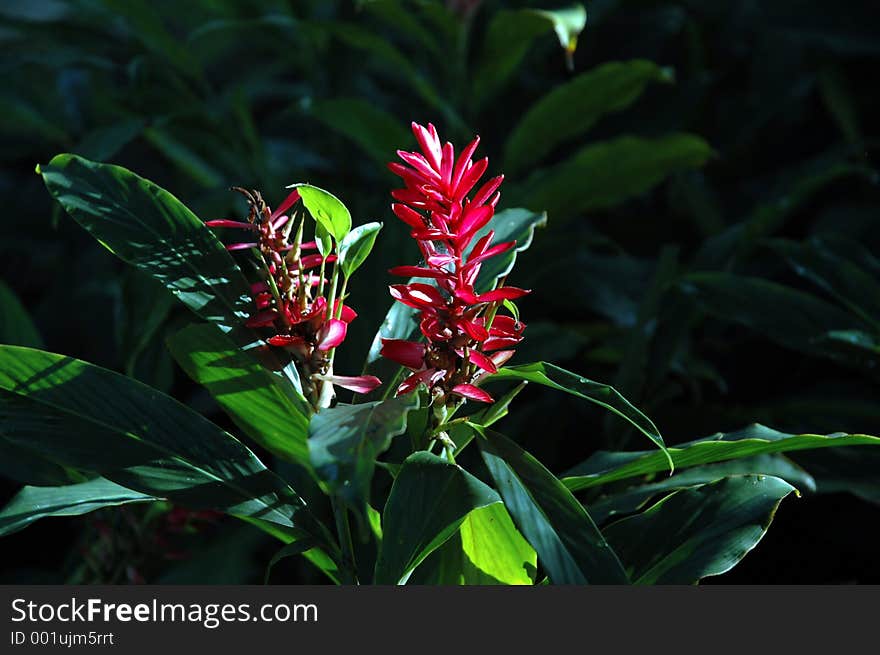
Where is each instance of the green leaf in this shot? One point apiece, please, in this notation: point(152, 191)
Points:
point(569, 545)
point(486, 550)
point(603, 395)
point(293, 549)
point(850, 284)
point(356, 247)
point(145, 24)
point(137, 437)
point(429, 500)
point(376, 131)
point(344, 442)
point(323, 239)
point(179, 153)
point(603, 467)
point(16, 326)
point(326, 209)
point(149, 228)
point(510, 36)
point(400, 321)
point(262, 404)
point(699, 532)
point(571, 109)
point(631, 499)
point(28, 466)
point(605, 174)
point(34, 503)
point(792, 318)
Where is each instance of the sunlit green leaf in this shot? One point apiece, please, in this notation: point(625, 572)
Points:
point(429, 500)
point(604, 467)
point(569, 545)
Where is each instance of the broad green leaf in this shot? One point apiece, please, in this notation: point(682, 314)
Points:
point(400, 321)
point(486, 550)
point(627, 501)
point(16, 326)
point(29, 466)
point(603, 467)
point(605, 174)
point(429, 500)
point(34, 503)
point(149, 228)
point(603, 395)
point(569, 545)
point(792, 318)
point(571, 109)
point(699, 532)
point(326, 209)
point(845, 470)
point(850, 284)
point(344, 442)
point(145, 307)
point(770, 217)
point(262, 404)
point(89, 418)
point(356, 247)
point(379, 133)
point(510, 36)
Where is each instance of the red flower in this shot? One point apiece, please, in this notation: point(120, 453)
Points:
point(461, 326)
point(288, 300)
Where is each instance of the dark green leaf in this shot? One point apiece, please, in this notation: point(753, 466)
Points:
point(356, 247)
point(603, 468)
point(344, 442)
point(29, 466)
point(850, 284)
point(569, 545)
point(571, 109)
point(290, 550)
point(136, 437)
point(605, 174)
point(263, 405)
point(603, 395)
point(791, 318)
point(16, 326)
point(695, 533)
point(429, 500)
point(34, 503)
point(379, 133)
point(627, 501)
point(148, 227)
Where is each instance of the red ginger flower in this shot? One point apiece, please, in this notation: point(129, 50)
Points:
point(466, 338)
point(289, 301)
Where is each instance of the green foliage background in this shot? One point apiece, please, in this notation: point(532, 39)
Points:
point(707, 168)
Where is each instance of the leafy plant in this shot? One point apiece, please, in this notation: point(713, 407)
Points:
point(458, 501)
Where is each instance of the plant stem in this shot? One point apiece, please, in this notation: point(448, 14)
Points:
point(343, 530)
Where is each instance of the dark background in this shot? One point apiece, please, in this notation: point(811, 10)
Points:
point(201, 95)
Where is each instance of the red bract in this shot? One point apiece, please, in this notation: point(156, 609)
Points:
point(445, 210)
point(288, 300)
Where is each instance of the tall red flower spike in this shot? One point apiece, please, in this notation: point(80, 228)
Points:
point(288, 300)
point(466, 337)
